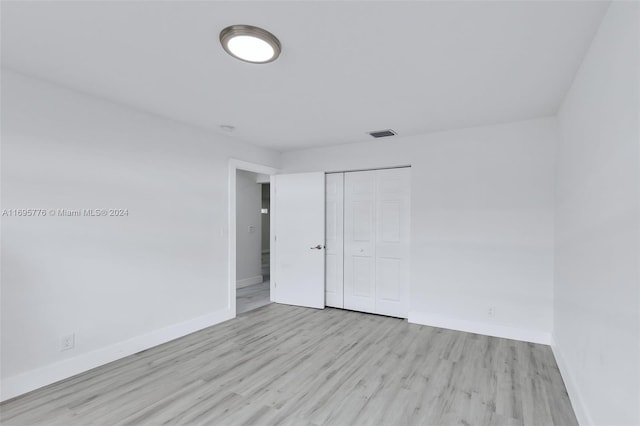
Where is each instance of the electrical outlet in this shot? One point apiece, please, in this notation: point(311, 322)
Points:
point(68, 342)
point(491, 313)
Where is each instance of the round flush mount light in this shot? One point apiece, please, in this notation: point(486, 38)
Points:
point(250, 44)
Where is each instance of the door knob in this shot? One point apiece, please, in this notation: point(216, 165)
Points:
point(318, 247)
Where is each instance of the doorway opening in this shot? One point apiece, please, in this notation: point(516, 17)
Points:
point(245, 224)
point(252, 241)
point(266, 231)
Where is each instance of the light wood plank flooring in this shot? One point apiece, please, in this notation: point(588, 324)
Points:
point(295, 366)
point(252, 297)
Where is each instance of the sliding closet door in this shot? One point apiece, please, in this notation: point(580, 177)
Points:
point(359, 241)
point(334, 217)
point(376, 241)
point(392, 242)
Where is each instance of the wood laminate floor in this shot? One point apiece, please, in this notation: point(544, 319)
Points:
point(252, 297)
point(295, 366)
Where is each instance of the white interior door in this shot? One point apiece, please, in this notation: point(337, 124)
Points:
point(299, 239)
point(334, 217)
point(359, 240)
point(393, 187)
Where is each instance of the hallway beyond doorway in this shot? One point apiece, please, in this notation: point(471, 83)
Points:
point(252, 297)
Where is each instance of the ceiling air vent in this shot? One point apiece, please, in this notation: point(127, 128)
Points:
point(382, 133)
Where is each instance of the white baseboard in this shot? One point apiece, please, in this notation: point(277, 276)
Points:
point(488, 329)
point(577, 402)
point(34, 379)
point(249, 281)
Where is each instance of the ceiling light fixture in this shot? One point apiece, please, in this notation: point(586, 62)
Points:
point(250, 44)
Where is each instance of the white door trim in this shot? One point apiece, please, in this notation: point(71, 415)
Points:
point(234, 166)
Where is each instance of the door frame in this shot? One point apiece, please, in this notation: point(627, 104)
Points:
point(234, 166)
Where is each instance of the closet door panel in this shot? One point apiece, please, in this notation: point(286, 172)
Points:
point(392, 242)
point(390, 221)
point(332, 275)
point(359, 240)
point(360, 221)
point(362, 267)
point(334, 218)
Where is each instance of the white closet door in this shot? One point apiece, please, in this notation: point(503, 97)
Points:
point(393, 187)
point(334, 254)
point(359, 241)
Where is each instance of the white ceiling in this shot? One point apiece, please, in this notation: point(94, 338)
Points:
point(346, 67)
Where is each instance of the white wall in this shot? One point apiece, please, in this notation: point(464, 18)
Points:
point(481, 222)
point(121, 284)
point(597, 278)
point(248, 244)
